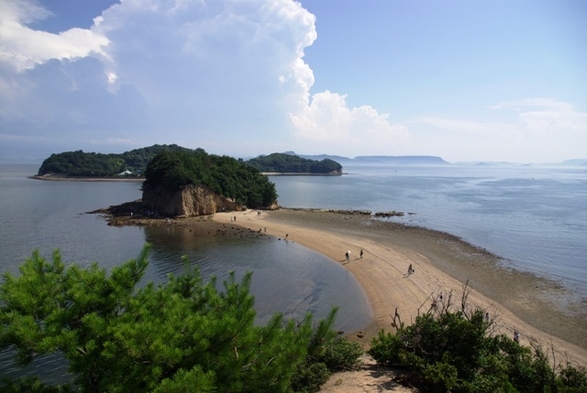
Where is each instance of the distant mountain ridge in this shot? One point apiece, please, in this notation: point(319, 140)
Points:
point(575, 162)
point(386, 160)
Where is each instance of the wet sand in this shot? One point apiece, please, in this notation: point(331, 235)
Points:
point(541, 310)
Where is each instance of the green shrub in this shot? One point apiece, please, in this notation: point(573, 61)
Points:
point(309, 377)
point(341, 354)
point(440, 377)
point(572, 376)
point(453, 351)
point(385, 348)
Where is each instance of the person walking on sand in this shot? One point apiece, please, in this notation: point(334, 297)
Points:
point(410, 270)
point(348, 256)
point(361, 254)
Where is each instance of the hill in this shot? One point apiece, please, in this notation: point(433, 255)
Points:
point(575, 162)
point(80, 164)
point(288, 163)
point(170, 172)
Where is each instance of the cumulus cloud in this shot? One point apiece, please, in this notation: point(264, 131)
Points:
point(328, 118)
point(193, 72)
point(22, 47)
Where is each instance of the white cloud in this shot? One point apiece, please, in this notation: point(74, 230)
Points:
point(22, 47)
point(531, 130)
point(198, 72)
point(327, 118)
point(222, 73)
point(547, 116)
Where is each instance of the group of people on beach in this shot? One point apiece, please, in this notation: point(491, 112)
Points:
point(348, 255)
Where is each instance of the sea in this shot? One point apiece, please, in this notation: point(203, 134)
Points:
point(534, 218)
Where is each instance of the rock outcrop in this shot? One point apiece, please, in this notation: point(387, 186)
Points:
point(189, 201)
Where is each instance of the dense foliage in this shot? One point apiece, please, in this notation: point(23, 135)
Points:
point(453, 351)
point(225, 175)
point(181, 336)
point(78, 163)
point(287, 163)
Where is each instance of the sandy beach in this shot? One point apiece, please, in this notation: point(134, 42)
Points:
point(443, 264)
point(542, 311)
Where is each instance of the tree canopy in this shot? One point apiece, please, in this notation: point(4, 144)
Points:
point(182, 335)
point(225, 175)
point(81, 164)
point(288, 163)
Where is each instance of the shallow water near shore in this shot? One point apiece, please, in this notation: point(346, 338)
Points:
point(46, 215)
point(532, 217)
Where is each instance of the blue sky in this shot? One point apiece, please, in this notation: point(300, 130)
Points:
point(467, 80)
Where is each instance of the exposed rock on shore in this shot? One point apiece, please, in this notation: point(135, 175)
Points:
point(159, 204)
point(188, 202)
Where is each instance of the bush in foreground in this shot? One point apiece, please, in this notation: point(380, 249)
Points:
point(184, 335)
point(453, 350)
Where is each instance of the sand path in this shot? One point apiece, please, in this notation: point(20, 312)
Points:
point(442, 265)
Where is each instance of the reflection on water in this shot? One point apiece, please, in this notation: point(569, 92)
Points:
point(287, 277)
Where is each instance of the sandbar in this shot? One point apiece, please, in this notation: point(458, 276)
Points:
point(542, 311)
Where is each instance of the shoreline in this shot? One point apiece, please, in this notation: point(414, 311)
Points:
point(443, 263)
point(137, 179)
point(87, 179)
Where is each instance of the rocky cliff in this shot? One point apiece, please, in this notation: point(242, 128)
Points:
point(189, 201)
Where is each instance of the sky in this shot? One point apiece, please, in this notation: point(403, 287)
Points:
point(466, 80)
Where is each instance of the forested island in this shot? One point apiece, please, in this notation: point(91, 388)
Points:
point(292, 164)
point(81, 164)
point(133, 164)
point(196, 183)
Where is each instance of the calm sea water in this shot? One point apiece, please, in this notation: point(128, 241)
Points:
point(48, 215)
point(535, 218)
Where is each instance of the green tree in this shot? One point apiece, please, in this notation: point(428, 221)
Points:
point(453, 350)
point(224, 175)
point(79, 163)
point(288, 163)
point(183, 335)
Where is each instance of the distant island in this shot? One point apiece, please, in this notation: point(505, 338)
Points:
point(132, 164)
point(98, 165)
point(377, 160)
point(283, 163)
